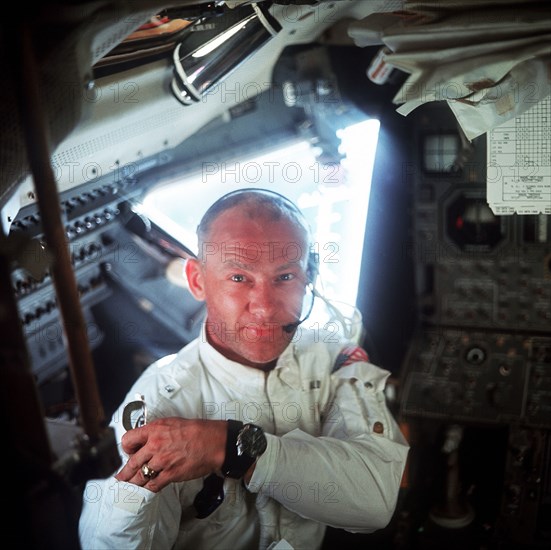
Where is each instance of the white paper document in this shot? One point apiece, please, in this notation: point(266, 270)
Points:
point(519, 163)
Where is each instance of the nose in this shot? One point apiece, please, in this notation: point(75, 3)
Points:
point(262, 300)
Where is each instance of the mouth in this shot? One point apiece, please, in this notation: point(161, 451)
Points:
point(255, 331)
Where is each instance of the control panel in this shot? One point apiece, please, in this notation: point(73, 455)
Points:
point(482, 351)
point(117, 257)
point(472, 375)
point(475, 269)
point(86, 216)
point(481, 354)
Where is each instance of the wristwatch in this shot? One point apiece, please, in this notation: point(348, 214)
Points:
point(244, 444)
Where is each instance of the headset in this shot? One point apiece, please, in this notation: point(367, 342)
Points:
point(234, 198)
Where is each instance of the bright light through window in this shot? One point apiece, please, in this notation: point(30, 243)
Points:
point(334, 197)
point(359, 144)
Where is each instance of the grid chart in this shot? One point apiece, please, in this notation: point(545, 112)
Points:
point(520, 157)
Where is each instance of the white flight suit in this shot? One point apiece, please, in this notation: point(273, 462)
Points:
point(325, 464)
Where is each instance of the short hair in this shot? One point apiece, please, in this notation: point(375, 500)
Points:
point(259, 204)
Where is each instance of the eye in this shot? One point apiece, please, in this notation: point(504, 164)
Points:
point(287, 277)
point(237, 278)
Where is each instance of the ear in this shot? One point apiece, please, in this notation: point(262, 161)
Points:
point(195, 278)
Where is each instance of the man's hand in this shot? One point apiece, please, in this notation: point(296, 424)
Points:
point(176, 449)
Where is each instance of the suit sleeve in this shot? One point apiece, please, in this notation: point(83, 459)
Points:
point(123, 515)
point(348, 477)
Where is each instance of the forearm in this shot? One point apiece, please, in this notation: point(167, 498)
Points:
point(346, 484)
point(123, 515)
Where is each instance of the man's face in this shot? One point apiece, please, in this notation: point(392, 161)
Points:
point(253, 279)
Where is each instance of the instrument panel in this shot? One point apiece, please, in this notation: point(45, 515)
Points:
point(480, 358)
point(473, 375)
point(482, 349)
point(109, 259)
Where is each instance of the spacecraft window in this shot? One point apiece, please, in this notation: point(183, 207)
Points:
point(333, 196)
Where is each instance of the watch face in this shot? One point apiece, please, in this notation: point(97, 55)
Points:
point(251, 441)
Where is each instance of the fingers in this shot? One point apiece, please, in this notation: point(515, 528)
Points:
point(132, 469)
point(133, 440)
point(140, 475)
point(156, 483)
point(140, 468)
point(177, 449)
point(144, 476)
